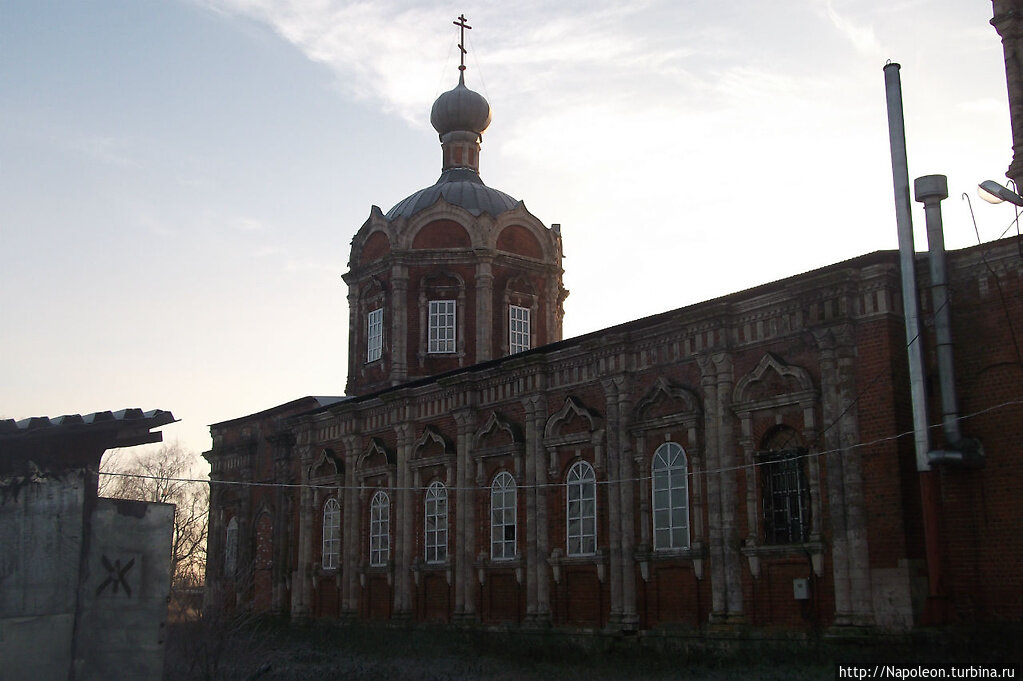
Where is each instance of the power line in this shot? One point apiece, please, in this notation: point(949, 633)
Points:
point(549, 485)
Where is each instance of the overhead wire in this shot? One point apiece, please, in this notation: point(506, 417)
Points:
point(616, 481)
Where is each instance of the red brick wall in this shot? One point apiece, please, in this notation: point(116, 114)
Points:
point(673, 596)
point(261, 581)
point(436, 598)
point(519, 240)
point(502, 598)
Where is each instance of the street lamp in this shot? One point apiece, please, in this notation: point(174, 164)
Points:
point(993, 192)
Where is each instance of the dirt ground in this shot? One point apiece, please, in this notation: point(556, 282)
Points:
point(250, 650)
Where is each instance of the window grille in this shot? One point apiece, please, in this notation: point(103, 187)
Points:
point(786, 497)
point(502, 517)
point(379, 529)
point(518, 329)
point(331, 534)
point(581, 511)
point(374, 334)
point(231, 547)
point(441, 326)
point(670, 497)
point(436, 523)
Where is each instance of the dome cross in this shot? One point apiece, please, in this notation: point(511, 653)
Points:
point(461, 43)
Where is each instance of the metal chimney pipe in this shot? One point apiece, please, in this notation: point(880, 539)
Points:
point(904, 223)
point(930, 190)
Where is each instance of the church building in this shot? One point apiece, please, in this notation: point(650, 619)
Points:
point(747, 461)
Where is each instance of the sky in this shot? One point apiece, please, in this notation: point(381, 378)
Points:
point(180, 180)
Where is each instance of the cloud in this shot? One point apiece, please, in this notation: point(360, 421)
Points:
point(243, 224)
point(377, 48)
point(110, 150)
point(987, 105)
point(863, 38)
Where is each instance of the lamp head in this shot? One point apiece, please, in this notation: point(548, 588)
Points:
point(993, 192)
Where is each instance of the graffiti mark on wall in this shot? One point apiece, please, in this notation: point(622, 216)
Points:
point(116, 579)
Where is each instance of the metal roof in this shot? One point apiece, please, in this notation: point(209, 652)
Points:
point(460, 187)
point(34, 424)
point(72, 438)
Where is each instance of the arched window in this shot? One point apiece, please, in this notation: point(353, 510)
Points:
point(502, 517)
point(379, 529)
point(436, 523)
point(671, 497)
point(331, 534)
point(231, 547)
point(785, 488)
point(581, 511)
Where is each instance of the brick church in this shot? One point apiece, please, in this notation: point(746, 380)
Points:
point(745, 461)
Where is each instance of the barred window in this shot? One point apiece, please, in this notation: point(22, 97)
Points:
point(671, 497)
point(231, 547)
point(518, 329)
point(379, 529)
point(786, 496)
point(436, 523)
point(442, 326)
point(503, 500)
point(374, 334)
point(581, 511)
point(331, 534)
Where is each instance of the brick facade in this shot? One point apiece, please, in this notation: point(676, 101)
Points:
point(819, 357)
point(744, 461)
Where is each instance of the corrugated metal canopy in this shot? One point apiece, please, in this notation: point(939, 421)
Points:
point(73, 439)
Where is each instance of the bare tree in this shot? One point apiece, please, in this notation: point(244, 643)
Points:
point(164, 475)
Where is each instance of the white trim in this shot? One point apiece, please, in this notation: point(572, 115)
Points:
point(580, 510)
point(435, 525)
point(441, 326)
point(331, 547)
point(503, 517)
point(669, 494)
point(380, 529)
point(374, 334)
point(518, 329)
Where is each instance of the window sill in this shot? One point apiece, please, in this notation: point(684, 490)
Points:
point(796, 549)
point(695, 554)
point(814, 550)
point(688, 553)
point(559, 560)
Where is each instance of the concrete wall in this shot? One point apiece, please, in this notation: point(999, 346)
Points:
point(84, 582)
point(41, 530)
point(124, 591)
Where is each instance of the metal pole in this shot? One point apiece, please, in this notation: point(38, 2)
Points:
point(904, 222)
point(930, 190)
point(934, 608)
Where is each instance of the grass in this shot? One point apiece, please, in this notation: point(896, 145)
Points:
point(238, 650)
point(249, 649)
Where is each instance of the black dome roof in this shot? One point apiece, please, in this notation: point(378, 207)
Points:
point(460, 187)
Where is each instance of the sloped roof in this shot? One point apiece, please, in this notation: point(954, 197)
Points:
point(74, 439)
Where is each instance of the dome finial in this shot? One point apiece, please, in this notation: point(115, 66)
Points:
point(461, 43)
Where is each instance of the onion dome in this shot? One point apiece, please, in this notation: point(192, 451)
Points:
point(460, 116)
point(460, 109)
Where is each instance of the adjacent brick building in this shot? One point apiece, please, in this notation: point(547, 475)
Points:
point(748, 460)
